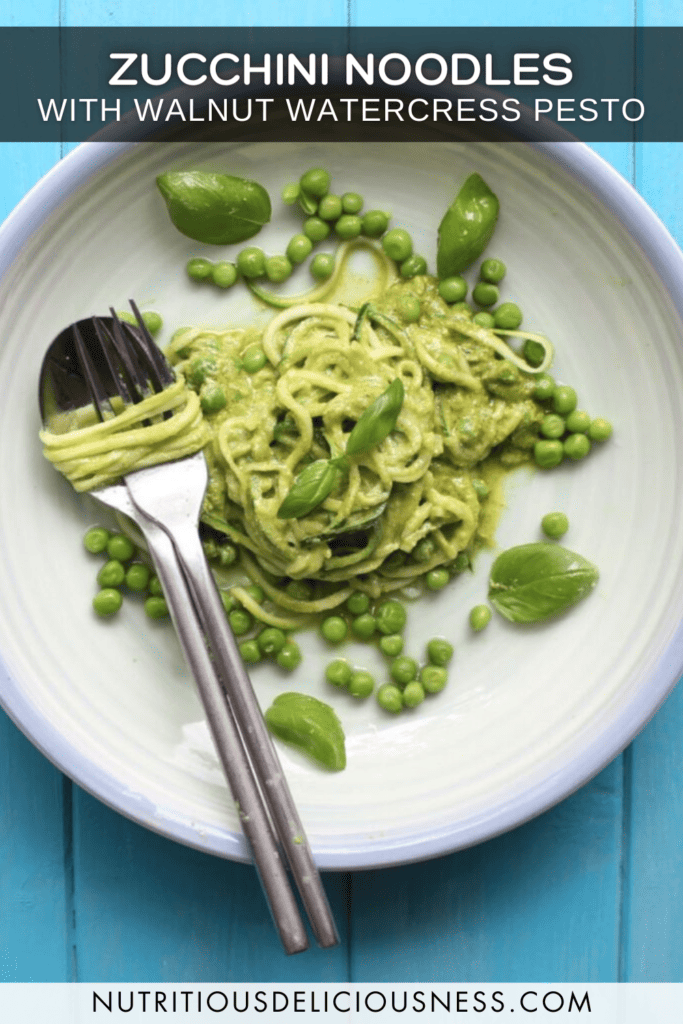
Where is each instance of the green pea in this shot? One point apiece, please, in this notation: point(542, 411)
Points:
point(413, 266)
point(578, 422)
point(453, 289)
point(152, 321)
point(439, 652)
point(290, 193)
point(322, 266)
point(334, 629)
point(461, 562)
point(107, 601)
point(198, 268)
point(316, 229)
point(554, 524)
point(564, 399)
point(600, 429)
point(156, 608)
point(338, 673)
point(224, 274)
point(289, 657)
point(375, 223)
point(433, 678)
point(391, 617)
point(397, 244)
point(271, 641)
point(198, 371)
point(403, 669)
point(409, 308)
point(492, 270)
point(254, 359)
point(391, 645)
point(533, 352)
point(552, 426)
point(423, 551)
point(364, 626)
point(112, 574)
point(390, 698)
point(227, 555)
point(212, 397)
point(299, 248)
point(348, 226)
point(481, 488)
point(358, 603)
point(229, 602)
point(352, 202)
point(544, 387)
point(299, 590)
point(278, 269)
point(361, 684)
point(577, 446)
point(120, 547)
point(485, 294)
point(462, 309)
point(480, 616)
point(251, 262)
point(316, 182)
point(96, 540)
point(413, 694)
point(508, 316)
point(250, 652)
point(548, 454)
point(210, 548)
point(137, 577)
point(240, 621)
point(484, 319)
point(256, 592)
point(330, 208)
point(436, 579)
point(154, 587)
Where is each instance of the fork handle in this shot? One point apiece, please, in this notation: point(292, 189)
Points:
point(257, 738)
point(253, 816)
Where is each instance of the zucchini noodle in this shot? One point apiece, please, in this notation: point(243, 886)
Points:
point(424, 497)
point(410, 504)
point(92, 454)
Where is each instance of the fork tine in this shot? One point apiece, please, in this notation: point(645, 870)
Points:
point(99, 397)
point(152, 351)
point(104, 338)
point(126, 351)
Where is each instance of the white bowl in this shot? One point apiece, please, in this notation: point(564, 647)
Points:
point(530, 714)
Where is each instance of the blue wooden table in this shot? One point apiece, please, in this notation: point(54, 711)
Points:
point(590, 891)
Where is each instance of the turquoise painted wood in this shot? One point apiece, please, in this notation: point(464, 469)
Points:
point(590, 891)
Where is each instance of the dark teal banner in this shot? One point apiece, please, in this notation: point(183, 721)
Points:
point(502, 84)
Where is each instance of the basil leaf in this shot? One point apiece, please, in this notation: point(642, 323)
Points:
point(533, 582)
point(466, 228)
point(310, 488)
point(378, 420)
point(215, 208)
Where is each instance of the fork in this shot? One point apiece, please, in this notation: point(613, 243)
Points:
point(165, 503)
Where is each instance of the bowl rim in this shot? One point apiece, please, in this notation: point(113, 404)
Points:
point(659, 248)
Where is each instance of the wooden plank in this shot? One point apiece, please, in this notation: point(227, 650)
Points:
point(148, 909)
point(653, 876)
point(536, 904)
point(36, 868)
point(202, 13)
point(529, 12)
